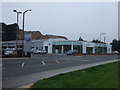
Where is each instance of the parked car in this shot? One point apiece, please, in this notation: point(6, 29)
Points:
point(39, 51)
point(9, 51)
point(71, 52)
point(115, 52)
point(33, 49)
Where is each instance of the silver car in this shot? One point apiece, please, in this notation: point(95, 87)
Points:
point(9, 51)
point(39, 51)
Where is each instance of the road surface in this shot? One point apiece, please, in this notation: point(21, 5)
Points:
point(14, 68)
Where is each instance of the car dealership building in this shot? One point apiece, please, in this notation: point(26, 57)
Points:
point(60, 45)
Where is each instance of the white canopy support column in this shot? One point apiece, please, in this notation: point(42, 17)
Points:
point(72, 46)
point(84, 48)
point(62, 49)
point(93, 49)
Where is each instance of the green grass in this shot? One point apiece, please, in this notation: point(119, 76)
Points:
point(102, 76)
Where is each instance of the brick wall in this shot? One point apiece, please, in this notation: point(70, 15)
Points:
point(36, 35)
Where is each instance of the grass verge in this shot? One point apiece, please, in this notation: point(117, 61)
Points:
point(102, 76)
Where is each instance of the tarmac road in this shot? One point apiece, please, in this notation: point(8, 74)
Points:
point(15, 68)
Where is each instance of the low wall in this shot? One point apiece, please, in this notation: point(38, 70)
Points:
point(96, 54)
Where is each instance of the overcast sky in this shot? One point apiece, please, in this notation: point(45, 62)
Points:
point(70, 19)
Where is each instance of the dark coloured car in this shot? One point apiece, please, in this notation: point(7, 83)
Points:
point(71, 52)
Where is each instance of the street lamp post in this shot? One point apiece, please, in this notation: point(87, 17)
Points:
point(100, 35)
point(104, 44)
point(23, 29)
point(100, 38)
point(18, 27)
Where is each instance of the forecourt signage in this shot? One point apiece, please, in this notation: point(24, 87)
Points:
point(27, 45)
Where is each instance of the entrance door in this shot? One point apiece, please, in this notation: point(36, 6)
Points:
point(46, 49)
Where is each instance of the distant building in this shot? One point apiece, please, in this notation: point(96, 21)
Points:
point(36, 35)
point(48, 36)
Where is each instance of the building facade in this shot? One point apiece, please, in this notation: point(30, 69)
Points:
point(59, 45)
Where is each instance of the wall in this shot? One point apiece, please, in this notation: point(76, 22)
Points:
point(49, 45)
point(37, 44)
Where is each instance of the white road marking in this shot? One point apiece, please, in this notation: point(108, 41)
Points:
point(43, 62)
point(23, 64)
point(57, 61)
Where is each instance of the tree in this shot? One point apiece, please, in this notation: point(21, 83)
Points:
point(9, 32)
point(80, 39)
point(96, 41)
point(115, 45)
point(119, 45)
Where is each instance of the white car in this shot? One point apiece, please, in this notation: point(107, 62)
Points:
point(39, 51)
point(33, 49)
point(115, 52)
point(9, 51)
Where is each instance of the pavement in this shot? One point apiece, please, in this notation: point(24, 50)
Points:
point(17, 73)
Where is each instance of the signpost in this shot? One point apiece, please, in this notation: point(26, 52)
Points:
point(27, 45)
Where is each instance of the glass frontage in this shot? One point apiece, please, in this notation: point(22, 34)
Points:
point(66, 48)
point(89, 49)
point(78, 48)
point(56, 49)
point(100, 48)
point(63, 46)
